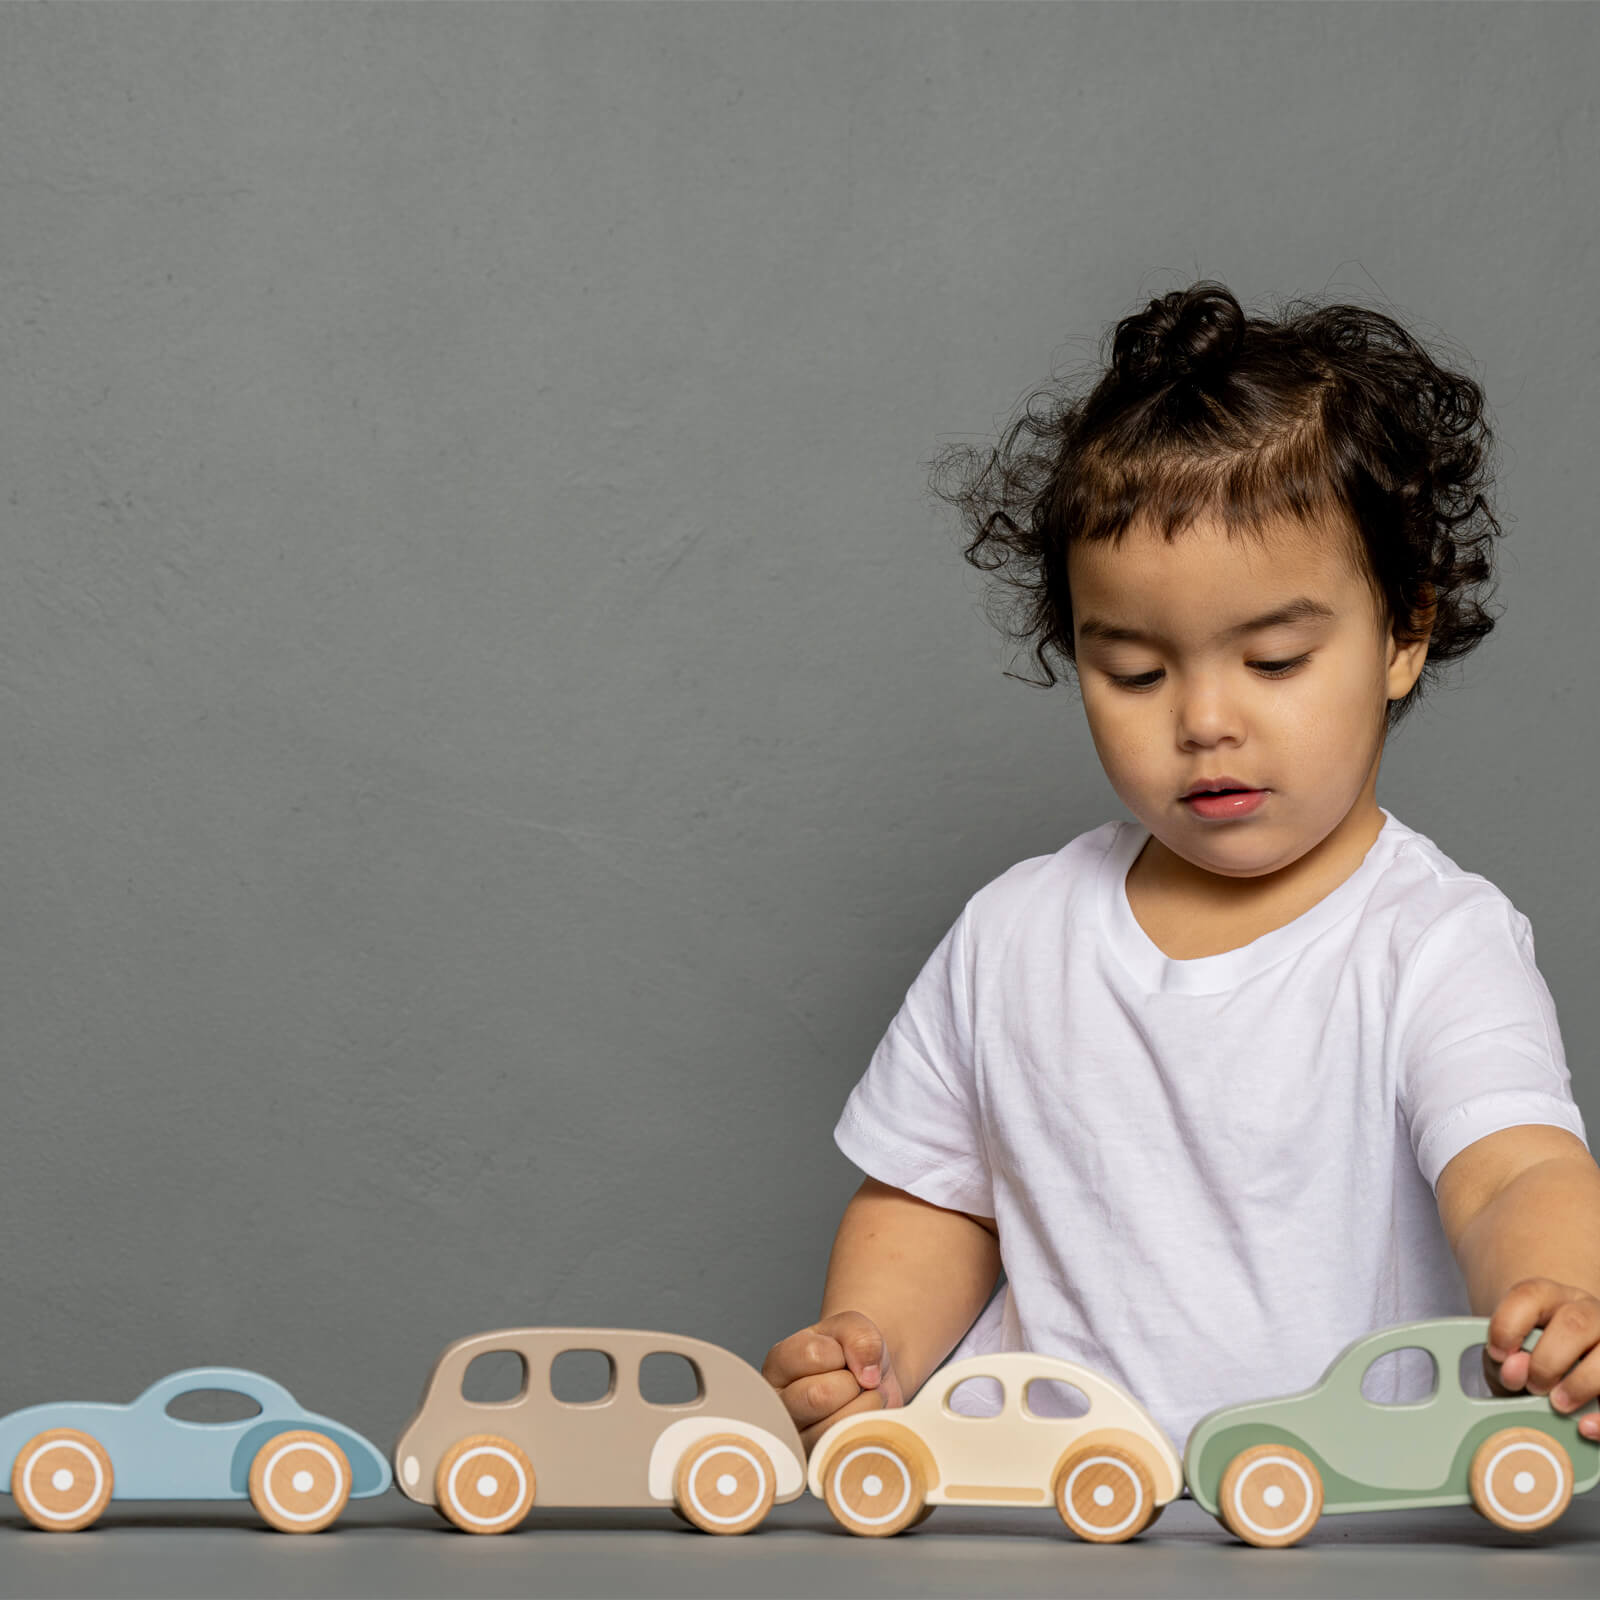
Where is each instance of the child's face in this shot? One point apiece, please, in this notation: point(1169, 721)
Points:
point(1312, 737)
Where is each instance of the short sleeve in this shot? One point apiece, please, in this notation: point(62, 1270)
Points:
point(912, 1121)
point(1480, 1046)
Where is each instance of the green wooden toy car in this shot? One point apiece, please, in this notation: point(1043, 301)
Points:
point(1268, 1469)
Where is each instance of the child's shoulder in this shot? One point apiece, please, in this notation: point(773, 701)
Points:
point(1424, 889)
point(1041, 884)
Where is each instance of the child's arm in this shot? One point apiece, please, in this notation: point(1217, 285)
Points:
point(905, 1280)
point(1521, 1209)
point(921, 1273)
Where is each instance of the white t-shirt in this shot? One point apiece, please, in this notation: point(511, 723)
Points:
point(1209, 1176)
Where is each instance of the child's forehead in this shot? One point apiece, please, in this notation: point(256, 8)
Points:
point(1206, 563)
point(1210, 587)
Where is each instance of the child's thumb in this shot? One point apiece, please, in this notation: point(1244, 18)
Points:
point(869, 1360)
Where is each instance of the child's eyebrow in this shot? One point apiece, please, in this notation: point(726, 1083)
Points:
point(1301, 609)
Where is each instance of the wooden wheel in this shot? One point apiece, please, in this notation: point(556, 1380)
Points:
point(1521, 1479)
point(299, 1481)
point(725, 1483)
point(62, 1479)
point(921, 1517)
point(1105, 1493)
point(1271, 1495)
point(484, 1484)
point(872, 1485)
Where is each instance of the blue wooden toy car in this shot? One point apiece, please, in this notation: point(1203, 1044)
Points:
point(65, 1462)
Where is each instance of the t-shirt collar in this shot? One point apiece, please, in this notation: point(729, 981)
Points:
point(1157, 971)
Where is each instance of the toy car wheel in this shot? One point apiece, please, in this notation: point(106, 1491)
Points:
point(62, 1479)
point(485, 1484)
point(921, 1517)
point(872, 1486)
point(1271, 1495)
point(1521, 1479)
point(725, 1484)
point(1105, 1493)
point(299, 1481)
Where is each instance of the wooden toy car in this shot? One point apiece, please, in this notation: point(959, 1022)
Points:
point(721, 1460)
point(65, 1462)
point(1268, 1469)
point(1109, 1472)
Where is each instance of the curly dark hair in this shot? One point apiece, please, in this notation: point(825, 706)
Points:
point(1202, 409)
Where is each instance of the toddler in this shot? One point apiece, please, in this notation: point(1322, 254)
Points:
point(1225, 1086)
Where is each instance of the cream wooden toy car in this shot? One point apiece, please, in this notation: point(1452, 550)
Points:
point(721, 1460)
point(1109, 1472)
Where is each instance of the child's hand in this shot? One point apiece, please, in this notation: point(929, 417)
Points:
point(833, 1368)
point(1565, 1364)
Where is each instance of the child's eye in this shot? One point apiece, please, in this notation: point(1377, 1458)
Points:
point(1270, 669)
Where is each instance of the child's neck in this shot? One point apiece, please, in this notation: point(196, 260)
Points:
point(1160, 880)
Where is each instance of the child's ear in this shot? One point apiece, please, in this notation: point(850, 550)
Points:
point(1405, 660)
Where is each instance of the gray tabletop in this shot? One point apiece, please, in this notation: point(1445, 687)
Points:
point(390, 1548)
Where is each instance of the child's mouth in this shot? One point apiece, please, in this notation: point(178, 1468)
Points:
point(1224, 803)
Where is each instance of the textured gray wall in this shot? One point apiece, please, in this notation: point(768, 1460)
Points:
point(493, 722)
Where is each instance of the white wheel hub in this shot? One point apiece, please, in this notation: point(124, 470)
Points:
point(1307, 1494)
point(1524, 1481)
point(494, 1453)
point(872, 1485)
point(1107, 1491)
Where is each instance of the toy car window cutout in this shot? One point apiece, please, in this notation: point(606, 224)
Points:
point(212, 1406)
point(1470, 1372)
point(667, 1378)
point(1054, 1397)
point(583, 1377)
point(976, 1397)
point(1404, 1377)
point(495, 1378)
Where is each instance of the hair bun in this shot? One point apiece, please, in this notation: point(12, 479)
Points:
point(1189, 335)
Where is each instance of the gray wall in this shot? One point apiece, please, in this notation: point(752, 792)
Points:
point(492, 720)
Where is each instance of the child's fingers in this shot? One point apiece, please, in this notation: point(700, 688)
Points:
point(1514, 1370)
point(869, 1357)
point(1523, 1307)
point(801, 1355)
point(865, 1400)
point(862, 1344)
point(818, 1397)
point(1571, 1333)
point(1579, 1386)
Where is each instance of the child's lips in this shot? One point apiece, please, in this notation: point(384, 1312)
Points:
point(1220, 807)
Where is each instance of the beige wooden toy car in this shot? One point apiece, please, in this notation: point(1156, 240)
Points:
point(721, 1460)
point(1109, 1472)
